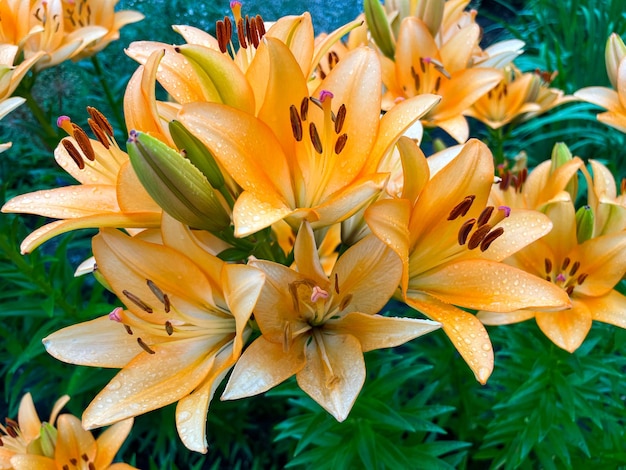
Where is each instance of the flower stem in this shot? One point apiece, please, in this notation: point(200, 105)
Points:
point(40, 115)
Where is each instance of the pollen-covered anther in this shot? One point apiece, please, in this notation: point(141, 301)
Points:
point(101, 120)
point(137, 301)
point(340, 118)
point(241, 34)
point(478, 236)
point(304, 108)
point(484, 216)
point(566, 262)
point(296, 123)
point(315, 138)
point(465, 230)
point(128, 330)
point(73, 152)
point(341, 143)
point(548, 265)
point(223, 33)
point(83, 142)
point(490, 238)
point(169, 329)
point(145, 347)
point(99, 133)
point(462, 207)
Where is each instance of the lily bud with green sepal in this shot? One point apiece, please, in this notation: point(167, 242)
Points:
point(614, 53)
point(222, 80)
point(379, 27)
point(560, 156)
point(176, 184)
point(431, 13)
point(45, 443)
point(584, 224)
point(197, 153)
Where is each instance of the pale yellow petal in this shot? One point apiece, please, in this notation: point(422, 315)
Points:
point(603, 259)
point(28, 419)
point(32, 462)
point(601, 96)
point(568, 328)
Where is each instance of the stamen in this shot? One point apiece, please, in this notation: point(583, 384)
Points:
point(582, 278)
point(548, 265)
point(296, 123)
point(166, 303)
point(83, 142)
point(169, 328)
point(340, 118)
point(336, 283)
point(315, 138)
point(484, 216)
point(99, 133)
point(316, 102)
point(569, 290)
point(318, 293)
point(137, 301)
point(478, 236)
point(345, 302)
point(462, 207)
point(490, 238)
point(248, 28)
point(304, 108)
point(341, 143)
point(144, 346)
point(241, 35)
point(504, 183)
point(73, 461)
point(128, 330)
point(84, 457)
point(158, 293)
point(220, 33)
point(293, 290)
point(101, 119)
point(465, 230)
point(74, 153)
point(260, 24)
point(92, 466)
point(565, 264)
point(575, 267)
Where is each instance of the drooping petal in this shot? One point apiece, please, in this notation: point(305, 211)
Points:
point(337, 388)
point(568, 328)
point(504, 318)
point(603, 259)
point(464, 330)
point(264, 365)
point(609, 308)
point(376, 331)
point(110, 441)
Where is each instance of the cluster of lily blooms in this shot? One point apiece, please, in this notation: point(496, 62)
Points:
point(262, 217)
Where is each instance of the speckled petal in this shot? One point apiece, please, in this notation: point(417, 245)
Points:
point(336, 389)
point(252, 214)
point(568, 328)
point(464, 330)
point(72, 440)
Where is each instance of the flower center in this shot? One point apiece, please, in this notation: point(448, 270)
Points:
point(427, 76)
point(250, 31)
point(478, 232)
point(567, 277)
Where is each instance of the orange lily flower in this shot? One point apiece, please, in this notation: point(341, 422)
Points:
point(587, 272)
point(305, 158)
point(614, 101)
point(609, 208)
point(30, 444)
point(318, 327)
point(421, 66)
point(451, 244)
point(109, 195)
point(184, 327)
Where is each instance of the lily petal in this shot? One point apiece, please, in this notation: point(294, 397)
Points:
point(609, 308)
point(568, 328)
point(110, 441)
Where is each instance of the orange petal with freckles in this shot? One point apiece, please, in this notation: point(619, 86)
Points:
point(252, 214)
point(335, 390)
point(376, 331)
point(568, 328)
point(262, 366)
point(73, 441)
point(464, 330)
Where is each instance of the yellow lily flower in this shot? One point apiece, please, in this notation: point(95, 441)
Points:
point(109, 195)
point(82, 13)
point(587, 272)
point(318, 327)
point(184, 327)
point(305, 158)
point(6, 107)
point(30, 444)
point(451, 244)
point(614, 101)
point(421, 66)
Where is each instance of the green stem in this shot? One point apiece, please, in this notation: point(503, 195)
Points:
point(497, 137)
point(113, 103)
point(40, 115)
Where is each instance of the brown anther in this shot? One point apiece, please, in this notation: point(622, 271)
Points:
point(241, 35)
point(293, 290)
point(484, 216)
point(84, 457)
point(333, 59)
point(74, 153)
point(345, 302)
point(128, 330)
point(574, 269)
point(99, 133)
point(158, 293)
point(92, 466)
point(254, 30)
point(101, 120)
point(304, 108)
point(83, 142)
point(169, 328)
point(462, 207)
point(341, 143)
point(1, 443)
point(506, 179)
point(166, 303)
point(581, 278)
point(465, 230)
point(437, 84)
point(565, 264)
point(340, 118)
point(316, 102)
point(228, 29)
point(336, 283)
point(490, 238)
point(422, 66)
point(260, 25)
point(137, 301)
point(478, 236)
point(315, 138)
point(144, 346)
point(548, 265)
point(66, 467)
point(622, 186)
point(220, 34)
point(74, 461)
point(11, 430)
point(248, 28)
point(569, 290)
point(296, 123)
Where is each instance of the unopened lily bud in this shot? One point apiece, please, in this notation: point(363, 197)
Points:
point(431, 13)
point(614, 53)
point(560, 156)
point(379, 27)
point(45, 443)
point(197, 153)
point(438, 145)
point(176, 184)
point(584, 223)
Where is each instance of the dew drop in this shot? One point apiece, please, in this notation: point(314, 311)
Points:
point(114, 385)
point(486, 347)
point(183, 416)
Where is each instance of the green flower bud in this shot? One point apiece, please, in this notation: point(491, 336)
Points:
point(45, 443)
point(197, 153)
point(560, 156)
point(584, 224)
point(176, 184)
point(379, 27)
point(614, 53)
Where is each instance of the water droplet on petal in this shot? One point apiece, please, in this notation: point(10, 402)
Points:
point(114, 385)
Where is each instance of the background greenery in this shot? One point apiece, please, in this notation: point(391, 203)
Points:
point(420, 407)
